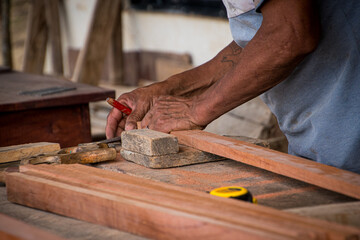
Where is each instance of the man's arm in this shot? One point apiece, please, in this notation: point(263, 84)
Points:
point(189, 83)
point(289, 32)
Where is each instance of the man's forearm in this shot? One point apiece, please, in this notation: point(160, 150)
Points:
point(197, 80)
point(283, 40)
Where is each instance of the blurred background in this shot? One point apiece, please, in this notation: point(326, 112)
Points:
point(133, 43)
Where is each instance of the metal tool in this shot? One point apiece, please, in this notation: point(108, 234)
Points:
point(236, 192)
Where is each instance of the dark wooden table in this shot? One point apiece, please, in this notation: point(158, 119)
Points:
point(59, 117)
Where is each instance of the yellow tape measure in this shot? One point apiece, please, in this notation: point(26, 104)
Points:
point(234, 192)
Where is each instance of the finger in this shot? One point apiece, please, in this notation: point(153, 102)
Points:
point(132, 119)
point(112, 123)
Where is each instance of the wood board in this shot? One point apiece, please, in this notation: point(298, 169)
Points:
point(157, 210)
point(18, 152)
point(321, 175)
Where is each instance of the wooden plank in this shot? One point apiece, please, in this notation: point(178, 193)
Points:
point(65, 227)
point(90, 62)
point(18, 152)
point(343, 213)
point(53, 23)
point(36, 39)
point(157, 210)
point(12, 229)
point(324, 176)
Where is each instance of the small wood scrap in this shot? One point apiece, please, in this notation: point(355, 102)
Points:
point(331, 178)
point(343, 213)
point(13, 229)
point(18, 152)
point(157, 210)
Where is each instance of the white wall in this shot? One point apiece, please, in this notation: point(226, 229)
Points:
point(202, 37)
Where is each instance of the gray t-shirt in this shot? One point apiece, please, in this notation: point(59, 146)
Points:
point(318, 105)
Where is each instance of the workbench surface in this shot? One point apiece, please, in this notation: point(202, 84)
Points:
point(270, 189)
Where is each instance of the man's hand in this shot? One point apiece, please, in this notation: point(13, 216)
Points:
point(139, 101)
point(169, 113)
point(189, 83)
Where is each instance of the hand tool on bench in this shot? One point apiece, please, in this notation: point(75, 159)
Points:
point(83, 153)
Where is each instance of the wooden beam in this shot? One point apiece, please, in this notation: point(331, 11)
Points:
point(53, 24)
point(36, 38)
point(5, 33)
point(90, 62)
point(331, 178)
point(116, 56)
point(155, 209)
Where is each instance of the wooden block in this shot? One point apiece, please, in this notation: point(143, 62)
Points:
point(149, 142)
point(13, 229)
point(18, 152)
point(331, 178)
point(157, 210)
point(185, 156)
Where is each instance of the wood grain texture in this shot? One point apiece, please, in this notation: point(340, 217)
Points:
point(18, 152)
point(343, 213)
point(185, 156)
point(327, 177)
point(13, 229)
point(36, 39)
point(157, 210)
point(90, 62)
point(67, 125)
